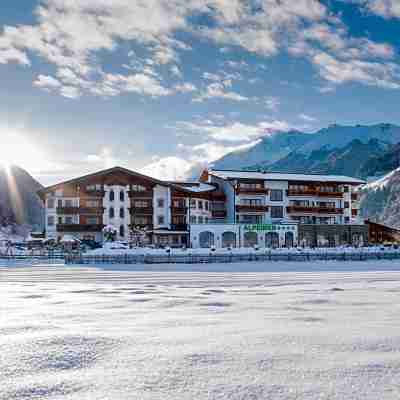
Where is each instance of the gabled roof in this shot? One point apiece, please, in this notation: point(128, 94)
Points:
point(111, 170)
point(284, 176)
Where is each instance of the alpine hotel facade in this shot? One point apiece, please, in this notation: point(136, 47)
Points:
point(222, 209)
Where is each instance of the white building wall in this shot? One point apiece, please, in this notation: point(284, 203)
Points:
point(162, 192)
point(240, 229)
point(117, 204)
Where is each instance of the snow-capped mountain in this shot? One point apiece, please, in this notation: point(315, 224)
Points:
point(274, 148)
point(19, 202)
point(269, 149)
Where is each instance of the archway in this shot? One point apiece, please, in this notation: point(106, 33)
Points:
point(228, 239)
point(250, 239)
point(289, 239)
point(272, 240)
point(206, 239)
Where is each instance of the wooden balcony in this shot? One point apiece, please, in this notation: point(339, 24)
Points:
point(80, 210)
point(179, 210)
point(79, 228)
point(179, 227)
point(219, 213)
point(313, 210)
point(141, 210)
point(140, 195)
point(243, 190)
point(313, 193)
point(218, 196)
point(252, 208)
point(147, 227)
point(92, 193)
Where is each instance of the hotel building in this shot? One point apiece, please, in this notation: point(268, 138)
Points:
point(223, 208)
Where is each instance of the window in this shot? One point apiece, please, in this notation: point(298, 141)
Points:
point(160, 203)
point(346, 204)
point(251, 185)
point(92, 188)
point(276, 195)
point(121, 196)
point(112, 195)
point(206, 220)
point(92, 220)
point(59, 203)
point(139, 188)
point(179, 220)
point(121, 212)
point(251, 219)
point(180, 203)
point(251, 202)
point(60, 220)
point(68, 203)
point(111, 212)
point(192, 203)
point(122, 231)
point(92, 203)
point(141, 204)
point(50, 203)
point(276, 212)
point(193, 219)
point(68, 220)
point(200, 219)
point(160, 220)
point(142, 221)
point(50, 220)
point(200, 204)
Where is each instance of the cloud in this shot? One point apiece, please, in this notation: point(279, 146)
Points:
point(307, 118)
point(272, 103)
point(234, 131)
point(185, 87)
point(47, 82)
point(384, 8)
point(385, 75)
point(168, 168)
point(73, 36)
point(218, 90)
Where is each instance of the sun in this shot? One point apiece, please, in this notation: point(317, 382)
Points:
point(16, 149)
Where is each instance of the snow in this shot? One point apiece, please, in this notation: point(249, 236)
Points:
point(117, 249)
point(381, 183)
point(71, 333)
point(275, 176)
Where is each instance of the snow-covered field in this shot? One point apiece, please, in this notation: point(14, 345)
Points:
point(76, 333)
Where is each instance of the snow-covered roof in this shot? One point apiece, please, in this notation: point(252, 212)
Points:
point(278, 176)
point(199, 187)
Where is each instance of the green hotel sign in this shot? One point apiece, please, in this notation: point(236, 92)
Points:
point(268, 228)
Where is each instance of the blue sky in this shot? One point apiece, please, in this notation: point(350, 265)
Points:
point(164, 85)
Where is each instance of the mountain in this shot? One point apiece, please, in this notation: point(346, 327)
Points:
point(352, 159)
point(380, 200)
point(274, 148)
point(19, 202)
point(382, 163)
point(271, 148)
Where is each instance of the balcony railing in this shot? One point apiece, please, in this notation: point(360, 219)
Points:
point(141, 210)
point(219, 213)
point(251, 208)
point(147, 227)
point(144, 194)
point(80, 210)
point(79, 228)
point(314, 210)
point(93, 193)
point(245, 190)
point(218, 196)
point(179, 227)
point(314, 193)
point(179, 210)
